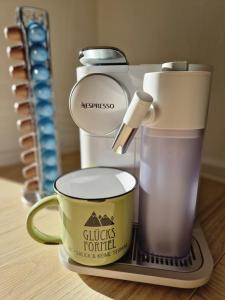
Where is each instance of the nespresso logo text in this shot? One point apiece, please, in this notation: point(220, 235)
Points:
point(97, 105)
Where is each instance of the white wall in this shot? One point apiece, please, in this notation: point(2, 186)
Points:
point(73, 26)
point(151, 31)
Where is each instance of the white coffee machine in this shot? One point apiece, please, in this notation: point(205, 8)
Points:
point(98, 103)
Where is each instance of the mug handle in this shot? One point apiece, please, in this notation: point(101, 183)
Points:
point(34, 232)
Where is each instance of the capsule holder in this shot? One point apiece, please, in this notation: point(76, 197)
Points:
point(36, 103)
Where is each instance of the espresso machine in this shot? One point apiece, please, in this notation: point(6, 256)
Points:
point(170, 104)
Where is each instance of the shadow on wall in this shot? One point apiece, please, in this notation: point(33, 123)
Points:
point(154, 31)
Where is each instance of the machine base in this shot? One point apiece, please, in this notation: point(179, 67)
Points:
point(192, 271)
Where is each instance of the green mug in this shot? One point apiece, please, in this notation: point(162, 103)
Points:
point(96, 209)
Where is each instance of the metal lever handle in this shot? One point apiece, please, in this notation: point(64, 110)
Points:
point(134, 116)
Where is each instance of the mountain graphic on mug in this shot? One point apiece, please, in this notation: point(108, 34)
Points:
point(96, 221)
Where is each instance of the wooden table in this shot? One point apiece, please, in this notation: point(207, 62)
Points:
point(29, 270)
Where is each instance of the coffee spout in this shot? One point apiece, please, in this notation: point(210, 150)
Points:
point(123, 139)
point(135, 114)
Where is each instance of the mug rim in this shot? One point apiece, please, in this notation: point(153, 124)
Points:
point(100, 199)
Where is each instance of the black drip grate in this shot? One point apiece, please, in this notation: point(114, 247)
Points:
point(192, 262)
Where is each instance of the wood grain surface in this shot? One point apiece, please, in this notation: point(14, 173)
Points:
point(29, 270)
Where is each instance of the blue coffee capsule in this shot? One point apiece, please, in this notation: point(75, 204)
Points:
point(48, 142)
point(44, 108)
point(38, 54)
point(42, 91)
point(36, 33)
point(48, 186)
point(49, 157)
point(40, 73)
point(50, 173)
point(46, 126)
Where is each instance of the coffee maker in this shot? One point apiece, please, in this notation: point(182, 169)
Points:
point(167, 247)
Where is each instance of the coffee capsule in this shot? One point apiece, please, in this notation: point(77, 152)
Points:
point(40, 72)
point(28, 141)
point(23, 108)
point(44, 109)
point(46, 126)
point(38, 54)
point(48, 186)
point(30, 171)
point(13, 33)
point(36, 33)
point(16, 52)
point(18, 72)
point(25, 125)
point(20, 91)
point(31, 185)
point(48, 142)
point(50, 173)
point(42, 91)
point(29, 156)
point(49, 157)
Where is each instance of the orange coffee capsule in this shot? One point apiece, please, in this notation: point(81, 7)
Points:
point(28, 141)
point(13, 33)
point(29, 156)
point(16, 52)
point(31, 185)
point(25, 125)
point(30, 171)
point(23, 108)
point(18, 72)
point(20, 91)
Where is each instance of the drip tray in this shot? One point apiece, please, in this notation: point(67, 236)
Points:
point(191, 271)
point(192, 262)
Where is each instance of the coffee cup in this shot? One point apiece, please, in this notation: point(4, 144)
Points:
point(96, 210)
